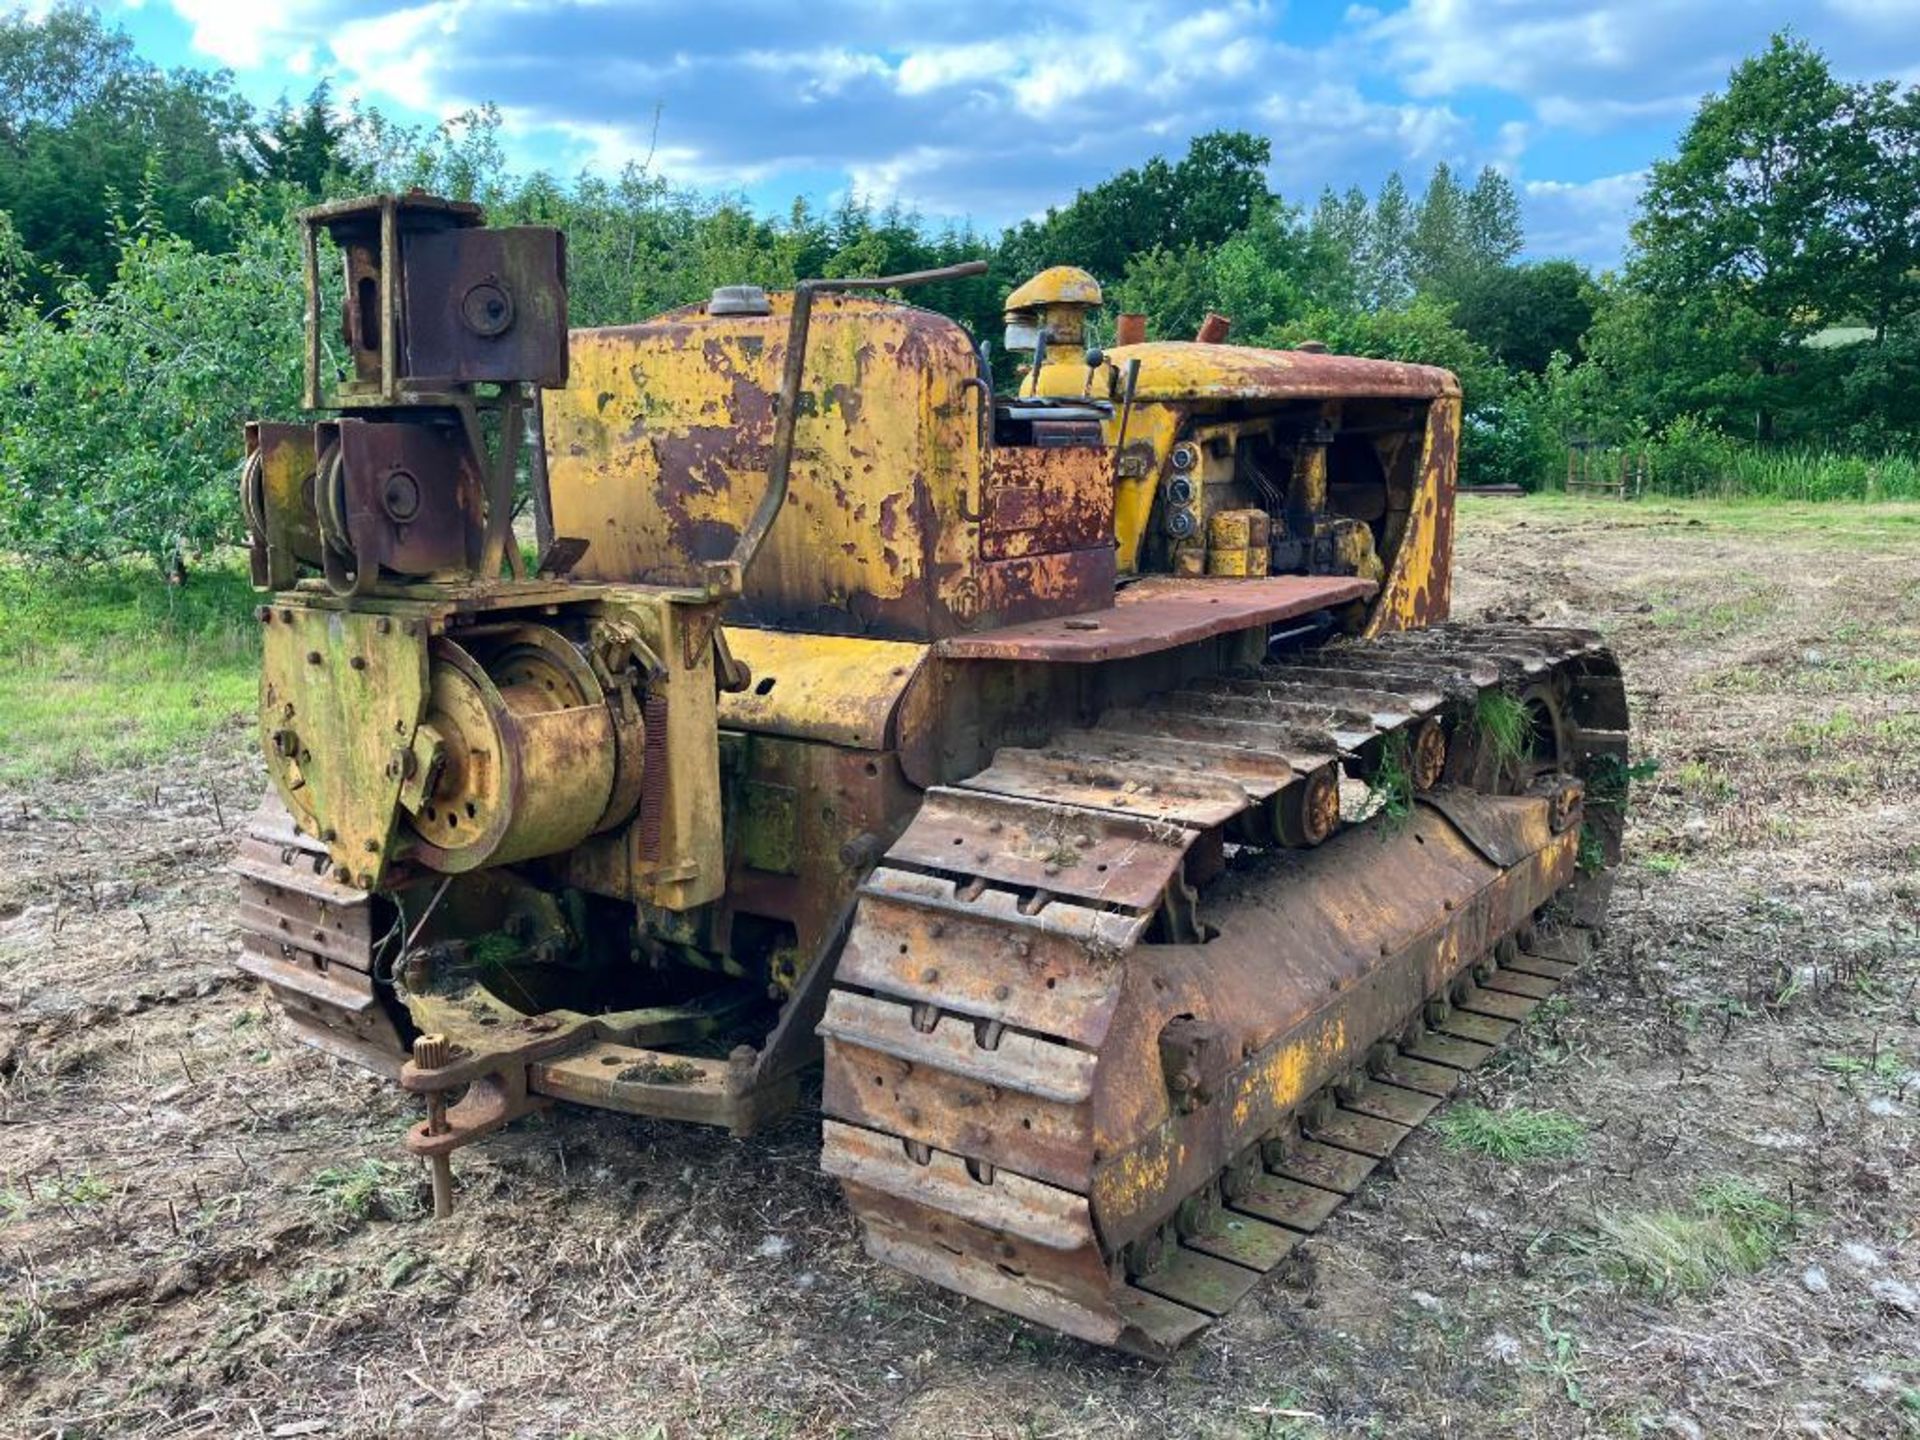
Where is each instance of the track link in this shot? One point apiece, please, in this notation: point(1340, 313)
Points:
point(312, 940)
point(990, 1093)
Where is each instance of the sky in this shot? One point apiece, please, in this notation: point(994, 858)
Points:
point(987, 111)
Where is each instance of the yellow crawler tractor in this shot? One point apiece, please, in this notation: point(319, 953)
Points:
point(1091, 767)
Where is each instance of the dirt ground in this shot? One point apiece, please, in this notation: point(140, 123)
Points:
point(207, 1230)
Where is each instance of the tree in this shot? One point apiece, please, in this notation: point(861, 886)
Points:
point(1387, 263)
point(1211, 193)
point(1439, 255)
point(1260, 277)
point(1493, 231)
point(302, 148)
point(1525, 314)
point(1880, 202)
point(122, 423)
point(1338, 231)
point(1739, 232)
point(87, 127)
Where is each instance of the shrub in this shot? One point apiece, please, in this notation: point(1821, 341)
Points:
point(121, 411)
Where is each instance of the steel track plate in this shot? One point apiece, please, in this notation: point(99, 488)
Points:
point(1245, 1240)
point(1409, 1073)
point(1288, 1202)
point(1200, 1281)
point(1540, 965)
point(1364, 1134)
point(1518, 982)
point(1481, 1029)
point(1390, 1102)
point(1324, 1166)
point(1500, 1006)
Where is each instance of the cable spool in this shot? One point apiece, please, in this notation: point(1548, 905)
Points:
point(532, 761)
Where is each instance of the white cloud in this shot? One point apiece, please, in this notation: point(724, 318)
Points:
point(997, 108)
point(234, 32)
point(1585, 220)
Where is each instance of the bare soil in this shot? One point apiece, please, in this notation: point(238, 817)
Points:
point(206, 1229)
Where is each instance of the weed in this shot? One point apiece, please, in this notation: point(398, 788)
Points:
point(83, 1189)
point(1878, 1064)
point(1592, 854)
point(1512, 1135)
point(1702, 781)
point(1390, 790)
point(1729, 1229)
point(20, 1327)
point(1563, 1349)
point(95, 1356)
point(369, 1190)
point(1660, 864)
point(1500, 722)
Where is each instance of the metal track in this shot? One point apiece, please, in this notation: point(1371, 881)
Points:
point(990, 1094)
point(312, 940)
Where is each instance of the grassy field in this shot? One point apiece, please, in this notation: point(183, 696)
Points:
point(1682, 1205)
point(101, 669)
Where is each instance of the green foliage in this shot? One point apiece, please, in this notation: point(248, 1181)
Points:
point(120, 428)
point(1261, 277)
point(303, 149)
point(1500, 723)
point(1200, 200)
point(1730, 1228)
point(1788, 209)
point(368, 1190)
point(1691, 458)
point(1512, 1135)
point(116, 665)
point(89, 124)
point(1390, 792)
point(1526, 314)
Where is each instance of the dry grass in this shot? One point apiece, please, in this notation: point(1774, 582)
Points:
point(206, 1230)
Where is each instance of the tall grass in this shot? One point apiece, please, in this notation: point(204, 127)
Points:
point(1691, 460)
point(1810, 474)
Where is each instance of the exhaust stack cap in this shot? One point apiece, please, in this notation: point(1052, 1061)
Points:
point(739, 300)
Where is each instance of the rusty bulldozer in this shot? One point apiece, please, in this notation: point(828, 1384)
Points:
point(1088, 773)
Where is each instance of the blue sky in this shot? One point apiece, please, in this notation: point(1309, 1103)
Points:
point(987, 110)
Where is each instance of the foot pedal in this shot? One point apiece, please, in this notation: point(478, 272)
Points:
point(1288, 1202)
point(1200, 1282)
